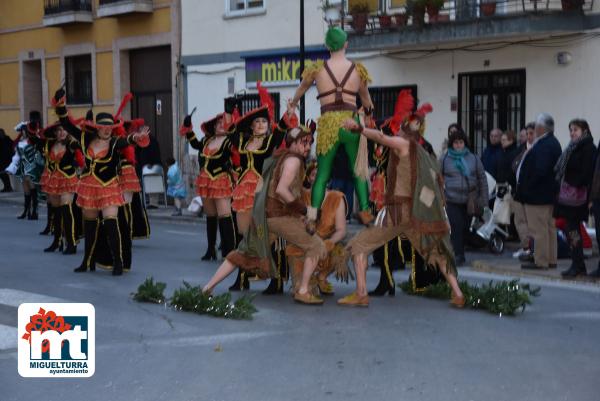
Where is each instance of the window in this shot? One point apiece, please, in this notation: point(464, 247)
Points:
point(252, 100)
point(78, 77)
point(241, 7)
point(489, 100)
point(384, 99)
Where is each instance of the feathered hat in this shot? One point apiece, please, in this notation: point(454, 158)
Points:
point(266, 110)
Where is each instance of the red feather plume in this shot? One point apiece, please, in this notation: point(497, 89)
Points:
point(425, 109)
point(126, 99)
point(266, 100)
point(235, 157)
point(404, 106)
point(129, 154)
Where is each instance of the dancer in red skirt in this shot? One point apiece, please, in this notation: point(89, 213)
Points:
point(214, 183)
point(59, 181)
point(98, 189)
point(255, 137)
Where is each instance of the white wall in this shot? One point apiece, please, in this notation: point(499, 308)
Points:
point(206, 30)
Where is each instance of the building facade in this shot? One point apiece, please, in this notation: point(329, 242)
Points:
point(479, 69)
point(98, 49)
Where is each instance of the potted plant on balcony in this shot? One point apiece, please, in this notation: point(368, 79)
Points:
point(433, 9)
point(359, 9)
point(488, 7)
point(416, 9)
point(572, 5)
point(385, 20)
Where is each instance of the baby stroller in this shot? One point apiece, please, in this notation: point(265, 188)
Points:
point(486, 230)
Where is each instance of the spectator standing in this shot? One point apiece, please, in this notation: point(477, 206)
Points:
point(595, 200)
point(522, 138)
point(537, 189)
point(509, 152)
point(175, 185)
point(517, 207)
point(6, 154)
point(574, 172)
point(464, 176)
point(492, 153)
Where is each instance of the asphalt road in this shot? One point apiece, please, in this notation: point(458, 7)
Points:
point(400, 348)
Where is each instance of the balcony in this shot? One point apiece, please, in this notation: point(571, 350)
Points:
point(111, 8)
point(66, 12)
point(418, 24)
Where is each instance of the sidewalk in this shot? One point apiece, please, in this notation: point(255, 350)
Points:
point(477, 259)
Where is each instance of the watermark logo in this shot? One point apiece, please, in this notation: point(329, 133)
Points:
point(56, 340)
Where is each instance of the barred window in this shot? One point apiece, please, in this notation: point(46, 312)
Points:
point(78, 73)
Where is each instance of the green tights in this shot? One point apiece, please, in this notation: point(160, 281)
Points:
point(350, 143)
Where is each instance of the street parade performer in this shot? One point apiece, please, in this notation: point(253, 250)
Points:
point(255, 136)
point(59, 181)
point(98, 189)
point(279, 211)
point(339, 81)
point(331, 227)
point(414, 208)
point(28, 163)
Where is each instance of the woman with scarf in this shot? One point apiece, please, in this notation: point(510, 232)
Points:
point(574, 172)
point(464, 177)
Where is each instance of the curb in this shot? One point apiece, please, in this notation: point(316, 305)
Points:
point(485, 267)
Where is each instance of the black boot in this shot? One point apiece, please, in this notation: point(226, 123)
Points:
point(49, 219)
point(125, 222)
point(229, 241)
point(113, 237)
point(276, 284)
point(34, 205)
point(577, 262)
point(595, 273)
point(68, 225)
point(90, 228)
point(27, 206)
point(57, 231)
point(386, 279)
point(211, 235)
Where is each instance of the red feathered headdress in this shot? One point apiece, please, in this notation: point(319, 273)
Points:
point(266, 100)
point(405, 104)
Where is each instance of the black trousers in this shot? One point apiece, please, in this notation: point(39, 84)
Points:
point(459, 223)
point(5, 181)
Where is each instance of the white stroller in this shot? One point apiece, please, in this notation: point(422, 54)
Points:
point(485, 230)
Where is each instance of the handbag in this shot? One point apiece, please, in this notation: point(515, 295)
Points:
point(572, 196)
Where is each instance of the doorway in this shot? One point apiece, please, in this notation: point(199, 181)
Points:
point(150, 79)
point(32, 87)
point(489, 100)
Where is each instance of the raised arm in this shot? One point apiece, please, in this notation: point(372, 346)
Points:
point(140, 138)
point(394, 142)
point(60, 107)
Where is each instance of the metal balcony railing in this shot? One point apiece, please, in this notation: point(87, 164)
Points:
point(108, 2)
point(61, 6)
point(417, 14)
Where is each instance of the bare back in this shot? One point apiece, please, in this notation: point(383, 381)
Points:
point(339, 68)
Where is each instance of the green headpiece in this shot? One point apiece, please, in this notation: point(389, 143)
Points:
point(335, 38)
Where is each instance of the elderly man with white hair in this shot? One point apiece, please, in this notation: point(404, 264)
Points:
point(537, 189)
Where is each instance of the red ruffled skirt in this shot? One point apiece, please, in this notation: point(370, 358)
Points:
point(55, 183)
point(128, 180)
point(377, 195)
point(243, 194)
point(216, 188)
point(91, 194)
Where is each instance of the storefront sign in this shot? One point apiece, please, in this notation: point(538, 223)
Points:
point(278, 70)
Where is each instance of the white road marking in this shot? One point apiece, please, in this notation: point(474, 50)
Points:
point(12, 297)
point(190, 233)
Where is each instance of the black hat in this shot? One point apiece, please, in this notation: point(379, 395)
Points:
point(209, 127)
point(244, 124)
point(104, 119)
point(35, 121)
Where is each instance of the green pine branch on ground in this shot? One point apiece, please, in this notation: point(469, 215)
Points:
point(502, 298)
point(191, 299)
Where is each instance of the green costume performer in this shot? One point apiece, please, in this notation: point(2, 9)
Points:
point(331, 136)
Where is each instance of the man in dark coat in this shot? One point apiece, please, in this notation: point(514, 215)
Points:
point(537, 189)
point(6, 154)
point(492, 153)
